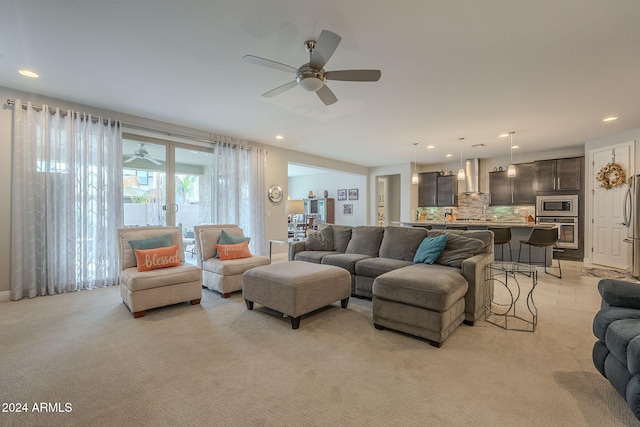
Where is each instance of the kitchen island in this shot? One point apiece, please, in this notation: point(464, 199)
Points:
point(519, 231)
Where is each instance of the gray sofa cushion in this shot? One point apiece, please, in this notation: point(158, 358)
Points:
point(321, 240)
point(313, 256)
point(374, 267)
point(365, 240)
point(484, 235)
point(458, 249)
point(401, 242)
point(346, 261)
point(341, 237)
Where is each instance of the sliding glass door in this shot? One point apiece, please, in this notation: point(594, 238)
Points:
point(166, 183)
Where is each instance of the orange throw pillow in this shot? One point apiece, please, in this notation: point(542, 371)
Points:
point(235, 251)
point(152, 259)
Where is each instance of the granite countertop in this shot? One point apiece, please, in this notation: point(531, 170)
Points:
point(481, 223)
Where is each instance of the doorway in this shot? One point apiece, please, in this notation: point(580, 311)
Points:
point(387, 199)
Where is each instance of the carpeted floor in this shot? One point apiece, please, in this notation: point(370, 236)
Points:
point(219, 364)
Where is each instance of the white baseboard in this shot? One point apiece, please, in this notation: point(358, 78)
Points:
point(5, 295)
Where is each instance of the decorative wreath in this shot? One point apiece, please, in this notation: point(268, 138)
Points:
point(611, 175)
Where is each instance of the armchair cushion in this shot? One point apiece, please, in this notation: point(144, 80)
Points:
point(209, 237)
point(153, 259)
point(136, 280)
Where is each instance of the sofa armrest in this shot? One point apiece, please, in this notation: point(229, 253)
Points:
point(294, 248)
point(619, 293)
point(473, 270)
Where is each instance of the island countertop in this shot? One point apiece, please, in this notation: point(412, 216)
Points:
point(479, 224)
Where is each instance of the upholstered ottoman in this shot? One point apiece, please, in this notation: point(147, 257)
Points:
point(425, 302)
point(296, 288)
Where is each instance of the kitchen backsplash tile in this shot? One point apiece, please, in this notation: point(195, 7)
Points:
point(476, 206)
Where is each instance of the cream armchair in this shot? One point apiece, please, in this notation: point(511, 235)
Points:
point(144, 290)
point(221, 276)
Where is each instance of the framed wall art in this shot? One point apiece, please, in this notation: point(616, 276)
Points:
point(342, 194)
point(353, 194)
point(347, 209)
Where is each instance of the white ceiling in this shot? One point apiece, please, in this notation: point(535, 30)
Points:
point(550, 70)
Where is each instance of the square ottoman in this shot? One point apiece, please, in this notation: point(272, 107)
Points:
point(427, 303)
point(296, 288)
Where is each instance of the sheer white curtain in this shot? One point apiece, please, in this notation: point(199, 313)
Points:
point(239, 190)
point(66, 201)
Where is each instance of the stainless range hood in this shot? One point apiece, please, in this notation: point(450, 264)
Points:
point(471, 180)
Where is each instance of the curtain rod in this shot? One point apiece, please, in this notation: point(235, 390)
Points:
point(167, 133)
point(63, 113)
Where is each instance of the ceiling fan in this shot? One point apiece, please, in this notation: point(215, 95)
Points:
point(142, 153)
point(312, 76)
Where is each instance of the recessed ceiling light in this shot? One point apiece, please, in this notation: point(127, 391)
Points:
point(515, 146)
point(610, 119)
point(504, 135)
point(279, 137)
point(29, 73)
point(449, 155)
point(429, 146)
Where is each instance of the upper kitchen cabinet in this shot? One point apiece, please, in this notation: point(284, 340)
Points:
point(559, 174)
point(436, 190)
point(519, 190)
point(428, 189)
point(524, 189)
point(448, 190)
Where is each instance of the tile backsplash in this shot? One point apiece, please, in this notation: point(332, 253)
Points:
point(476, 206)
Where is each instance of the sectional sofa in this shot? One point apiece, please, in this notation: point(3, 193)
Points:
point(368, 252)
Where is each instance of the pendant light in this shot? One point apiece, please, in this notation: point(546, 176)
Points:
point(461, 175)
point(511, 170)
point(414, 178)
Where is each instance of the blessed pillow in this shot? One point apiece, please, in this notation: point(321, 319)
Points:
point(153, 259)
point(235, 251)
point(152, 242)
point(458, 249)
point(430, 249)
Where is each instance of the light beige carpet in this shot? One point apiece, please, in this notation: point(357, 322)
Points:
point(219, 364)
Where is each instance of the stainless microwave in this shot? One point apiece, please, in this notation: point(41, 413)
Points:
point(566, 205)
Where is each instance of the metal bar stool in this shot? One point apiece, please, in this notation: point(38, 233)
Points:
point(543, 238)
point(502, 236)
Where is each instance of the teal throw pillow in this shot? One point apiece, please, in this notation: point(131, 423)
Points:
point(230, 239)
point(430, 249)
point(152, 242)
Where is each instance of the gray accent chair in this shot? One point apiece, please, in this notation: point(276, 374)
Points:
point(224, 277)
point(144, 290)
point(616, 354)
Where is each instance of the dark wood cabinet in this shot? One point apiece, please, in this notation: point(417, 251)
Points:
point(428, 189)
point(559, 174)
point(500, 188)
point(519, 190)
point(448, 190)
point(524, 190)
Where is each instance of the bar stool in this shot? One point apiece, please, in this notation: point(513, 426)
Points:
point(543, 238)
point(456, 227)
point(502, 236)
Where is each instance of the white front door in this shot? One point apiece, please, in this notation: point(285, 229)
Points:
point(608, 229)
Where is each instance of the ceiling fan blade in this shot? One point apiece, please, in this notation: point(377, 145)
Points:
point(354, 75)
point(280, 89)
point(325, 46)
point(131, 159)
point(326, 96)
point(152, 160)
point(268, 63)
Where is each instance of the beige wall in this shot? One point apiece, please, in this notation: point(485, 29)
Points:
point(276, 168)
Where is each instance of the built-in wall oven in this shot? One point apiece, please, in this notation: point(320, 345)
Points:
point(561, 211)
